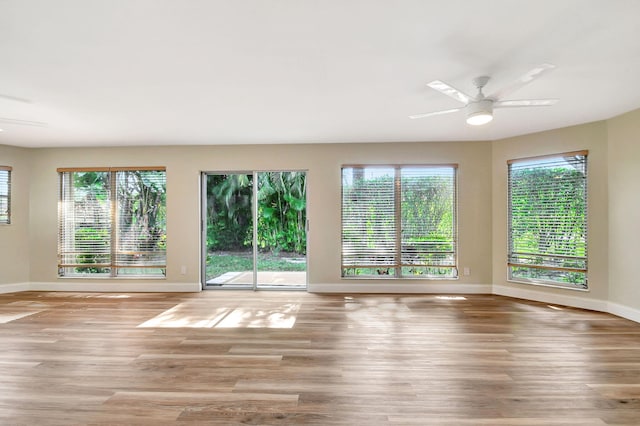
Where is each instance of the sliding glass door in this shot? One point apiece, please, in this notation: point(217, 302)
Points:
point(254, 230)
point(228, 230)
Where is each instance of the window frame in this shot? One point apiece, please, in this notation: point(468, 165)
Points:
point(396, 269)
point(512, 254)
point(7, 196)
point(119, 260)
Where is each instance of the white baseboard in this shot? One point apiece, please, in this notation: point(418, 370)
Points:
point(569, 300)
point(624, 311)
point(114, 286)
point(14, 288)
point(560, 299)
point(368, 287)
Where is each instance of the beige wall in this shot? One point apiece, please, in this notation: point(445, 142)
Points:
point(323, 163)
point(624, 209)
point(14, 238)
point(592, 137)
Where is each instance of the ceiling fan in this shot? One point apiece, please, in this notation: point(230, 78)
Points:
point(18, 121)
point(479, 108)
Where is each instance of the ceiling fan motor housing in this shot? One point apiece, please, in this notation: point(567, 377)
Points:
point(480, 112)
point(481, 81)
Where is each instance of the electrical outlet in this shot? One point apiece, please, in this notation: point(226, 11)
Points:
point(466, 271)
point(183, 270)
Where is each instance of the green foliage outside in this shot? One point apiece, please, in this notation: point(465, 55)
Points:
point(238, 262)
point(427, 215)
point(91, 195)
point(229, 211)
point(281, 212)
point(141, 213)
point(428, 211)
point(540, 198)
point(99, 239)
point(142, 210)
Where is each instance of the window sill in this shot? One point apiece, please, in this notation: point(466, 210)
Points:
point(90, 278)
point(542, 284)
point(387, 278)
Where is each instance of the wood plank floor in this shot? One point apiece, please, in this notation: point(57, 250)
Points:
point(267, 358)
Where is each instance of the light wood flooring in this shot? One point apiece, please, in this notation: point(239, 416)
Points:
point(284, 358)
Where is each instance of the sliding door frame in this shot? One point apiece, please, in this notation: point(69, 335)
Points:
point(254, 217)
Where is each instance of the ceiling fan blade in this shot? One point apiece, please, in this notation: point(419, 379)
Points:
point(524, 103)
point(429, 114)
point(523, 80)
point(15, 98)
point(451, 91)
point(23, 122)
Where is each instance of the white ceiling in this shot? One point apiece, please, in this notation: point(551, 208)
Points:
point(159, 72)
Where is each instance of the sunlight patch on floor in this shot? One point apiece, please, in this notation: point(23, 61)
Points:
point(6, 317)
point(451, 297)
point(192, 316)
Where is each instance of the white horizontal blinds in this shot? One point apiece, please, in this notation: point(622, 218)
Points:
point(5, 195)
point(548, 218)
point(428, 216)
point(140, 218)
point(84, 222)
point(399, 221)
point(112, 221)
point(368, 217)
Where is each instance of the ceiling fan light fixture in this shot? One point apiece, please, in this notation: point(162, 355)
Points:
point(479, 112)
point(479, 118)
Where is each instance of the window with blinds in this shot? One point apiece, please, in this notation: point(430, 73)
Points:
point(112, 222)
point(399, 221)
point(548, 220)
point(5, 195)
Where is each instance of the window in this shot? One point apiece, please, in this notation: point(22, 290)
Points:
point(112, 222)
point(5, 195)
point(548, 220)
point(399, 221)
